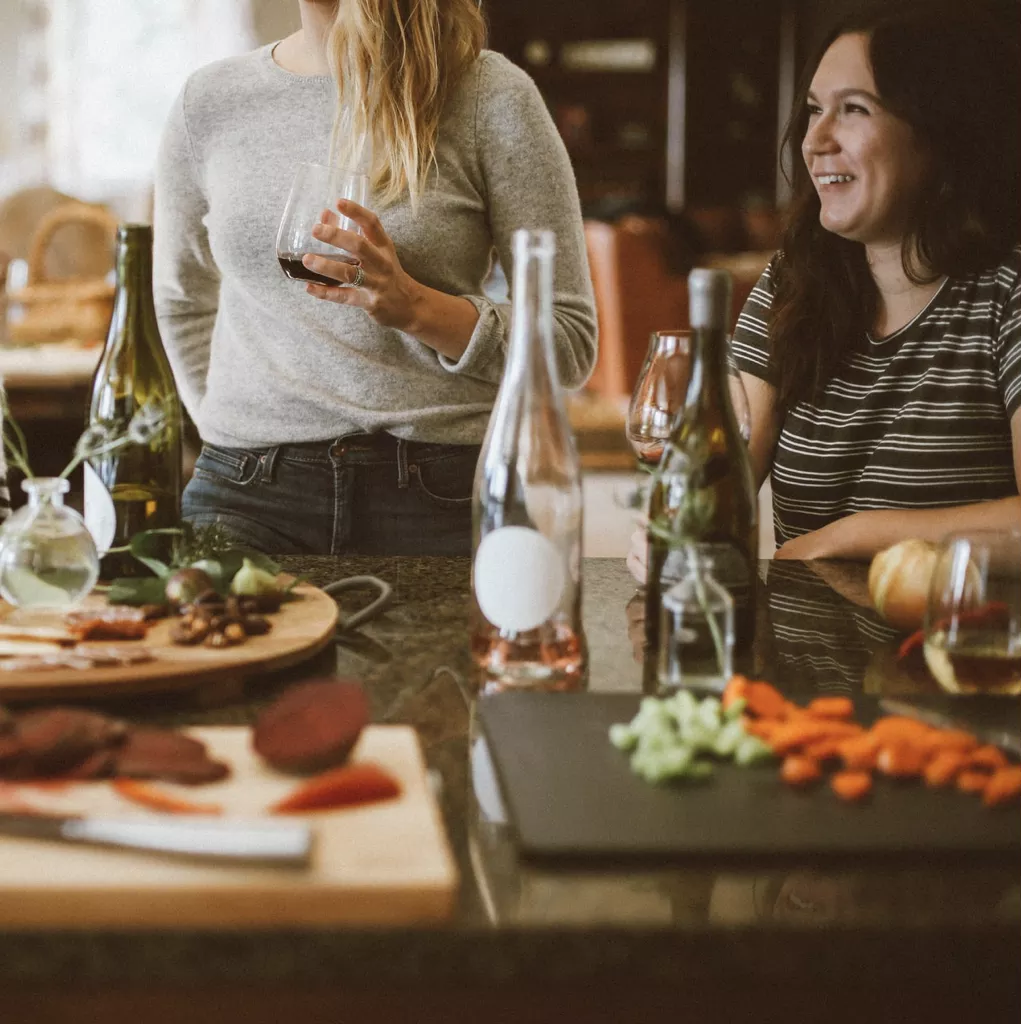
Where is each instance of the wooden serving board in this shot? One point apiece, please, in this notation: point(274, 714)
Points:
point(302, 627)
point(387, 862)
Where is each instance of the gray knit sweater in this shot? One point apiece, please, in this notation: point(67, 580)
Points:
point(260, 362)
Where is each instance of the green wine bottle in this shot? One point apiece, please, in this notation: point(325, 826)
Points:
point(137, 486)
point(703, 493)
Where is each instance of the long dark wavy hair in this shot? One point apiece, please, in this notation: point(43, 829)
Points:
point(953, 75)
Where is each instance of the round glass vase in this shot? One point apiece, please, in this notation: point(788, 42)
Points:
point(47, 555)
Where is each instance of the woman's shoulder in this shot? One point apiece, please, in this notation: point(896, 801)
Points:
point(229, 82)
point(1002, 276)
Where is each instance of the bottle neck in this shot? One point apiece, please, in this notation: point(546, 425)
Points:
point(133, 296)
point(45, 490)
point(531, 345)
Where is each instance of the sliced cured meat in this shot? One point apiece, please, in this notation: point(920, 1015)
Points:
point(112, 623)
point(162, 754)
point(312, 726)
point(54, 740)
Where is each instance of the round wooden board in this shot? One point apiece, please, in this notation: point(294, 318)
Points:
point(302, 627)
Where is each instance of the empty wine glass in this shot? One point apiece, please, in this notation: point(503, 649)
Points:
point(659, 394)
point(972, 619)
point(317, 188)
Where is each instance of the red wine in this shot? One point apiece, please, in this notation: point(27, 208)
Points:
point(294, 268)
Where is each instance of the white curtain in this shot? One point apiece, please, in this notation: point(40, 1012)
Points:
point(115, 67)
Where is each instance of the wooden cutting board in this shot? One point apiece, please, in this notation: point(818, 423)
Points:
point(385, 863)
point(301, 628)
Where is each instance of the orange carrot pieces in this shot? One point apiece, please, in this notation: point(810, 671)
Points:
point(901, 759)
point(859, 753)
point(944, 767)
point(851, 785)
point(831, 707)
point(799, 770)
point(764, 701)
point(1002, 787)
point(763, 729)
point(823, 750)
point(340, 787)
point(798, 733)
point(972, 780)
point(147, 795)
point(896, 727)
point(943, 740)
point(734, 690)
point(987, 759)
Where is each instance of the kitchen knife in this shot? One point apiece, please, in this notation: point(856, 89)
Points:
point(1004, 738)
point(287, 844)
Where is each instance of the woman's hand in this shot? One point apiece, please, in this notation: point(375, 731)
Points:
point(387, 293)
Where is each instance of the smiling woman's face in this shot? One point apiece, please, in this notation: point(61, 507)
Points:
point(866, 163)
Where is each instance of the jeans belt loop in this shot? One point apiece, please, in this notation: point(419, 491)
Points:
point(267, 462)
point(402, 453)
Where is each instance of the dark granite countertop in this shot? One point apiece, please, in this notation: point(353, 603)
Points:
point(805, 924)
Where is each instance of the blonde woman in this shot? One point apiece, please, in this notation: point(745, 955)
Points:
point(348, 419)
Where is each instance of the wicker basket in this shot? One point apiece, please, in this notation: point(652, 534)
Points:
point(71, 308)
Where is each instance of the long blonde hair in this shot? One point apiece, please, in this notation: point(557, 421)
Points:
point(396, 63)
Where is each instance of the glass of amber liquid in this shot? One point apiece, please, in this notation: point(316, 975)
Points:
point(972, 621)
point(315, 190)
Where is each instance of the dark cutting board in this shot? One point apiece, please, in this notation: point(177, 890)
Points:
point(570, 794)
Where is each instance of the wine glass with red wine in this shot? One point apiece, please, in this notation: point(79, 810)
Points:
point(972, 619)
point(317, 188)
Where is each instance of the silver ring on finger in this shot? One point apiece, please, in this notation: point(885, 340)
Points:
point(357, 281)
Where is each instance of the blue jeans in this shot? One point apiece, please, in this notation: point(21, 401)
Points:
point(364, 494)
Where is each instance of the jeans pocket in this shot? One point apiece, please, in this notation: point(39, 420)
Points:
point(447, 480)
point(233, 465)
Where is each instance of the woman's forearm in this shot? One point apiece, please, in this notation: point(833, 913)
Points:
point(864, 534)
point(444, 322)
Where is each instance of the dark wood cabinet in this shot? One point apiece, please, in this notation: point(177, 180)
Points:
point(663, 103)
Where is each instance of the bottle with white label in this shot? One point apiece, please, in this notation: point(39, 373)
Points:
point(138, 486)
point(526, 627)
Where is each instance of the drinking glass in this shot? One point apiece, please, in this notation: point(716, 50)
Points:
point(317, 188)
point(972, 619)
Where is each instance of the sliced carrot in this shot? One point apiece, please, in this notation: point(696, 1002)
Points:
point(734, 690)
point(800, 732)
point(799, 770)
point(341, 787)
point(762, 728)
point(147, 795)
point(944, 767)
point(823, 750)
point(831, 707)
point(764, 701)
point(851, 785)
point(972, 780)
point(901, 758)
point(860, 753)
point(987, 758)
point(1002, 787)
point(943, 740)
point(896, 727)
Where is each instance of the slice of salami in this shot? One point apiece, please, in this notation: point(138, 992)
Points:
point(162, 754)
point(312, 726)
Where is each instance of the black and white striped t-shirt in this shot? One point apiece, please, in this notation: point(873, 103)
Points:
point(919, 419)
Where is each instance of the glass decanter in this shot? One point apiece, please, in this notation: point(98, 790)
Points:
point(47, 555)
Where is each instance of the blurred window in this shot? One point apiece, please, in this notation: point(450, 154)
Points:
point(114, 68)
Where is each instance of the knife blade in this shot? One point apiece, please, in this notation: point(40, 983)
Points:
point(997, 737)
point(285, 844)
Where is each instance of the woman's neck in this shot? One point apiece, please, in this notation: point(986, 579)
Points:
point(305, 52)
point(900, 298)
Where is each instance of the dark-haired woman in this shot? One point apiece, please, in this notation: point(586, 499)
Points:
point(881, 348)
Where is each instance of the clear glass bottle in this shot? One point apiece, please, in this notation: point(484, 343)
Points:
point(526, 627)
point(47, 556)
point(703, 493)
point(138, 486)
point(697, 632)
